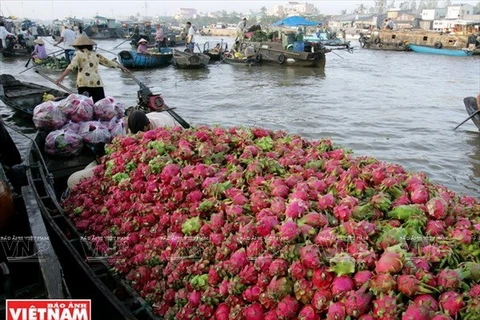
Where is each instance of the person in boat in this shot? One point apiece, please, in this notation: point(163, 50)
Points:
point(67, 36)
point(139, 121)
point(89, 171)
point(39, 52)
point(3, 34)
point(160, 37)
point(86, 61)
point(217, 48)
point(143, 46)
point(190, 37)
point(241, 26)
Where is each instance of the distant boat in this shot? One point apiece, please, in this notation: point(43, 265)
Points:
point(133, 60)
point(187, 60)
point(446, 52)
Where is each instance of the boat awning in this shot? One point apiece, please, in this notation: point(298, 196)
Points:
point(295, 21)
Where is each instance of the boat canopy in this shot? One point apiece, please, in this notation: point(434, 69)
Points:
point(295, 21)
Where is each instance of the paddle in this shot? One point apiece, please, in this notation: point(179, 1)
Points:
point(26, 64)
point(120, 44)
point(473, 115)
point(53, 81)
point(108, 51)
point(27, 69)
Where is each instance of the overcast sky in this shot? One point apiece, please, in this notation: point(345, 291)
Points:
point(47, 10)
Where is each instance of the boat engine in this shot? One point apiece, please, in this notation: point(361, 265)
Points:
point(148, 101)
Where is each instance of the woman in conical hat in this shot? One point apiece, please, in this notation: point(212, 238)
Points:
point(86, 60)
point(143, 46)
point(39, 51)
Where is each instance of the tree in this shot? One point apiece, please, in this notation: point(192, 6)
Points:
point(432, 4)
point(448, 3)
point(380, 6)
point(343, 12)
point(404, 5)
point(477, 7)
point(392, 4)
point(361, 9)
point(422, 5)
point(263, 11)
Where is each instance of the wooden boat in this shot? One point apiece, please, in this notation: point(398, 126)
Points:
point(471, 107)
point(133, 60)
point(242, 61)
point(440, 51)
point(368, 42)
point(87, 274)
point(29, 265)
point(50, 64)
point(16, 48)
point(187, 60)
point(24, 96)
point(273, 52)
point(215, 54)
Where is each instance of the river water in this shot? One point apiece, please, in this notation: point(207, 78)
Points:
point(399, 107)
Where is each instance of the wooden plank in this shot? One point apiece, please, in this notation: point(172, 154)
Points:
point(50, 266)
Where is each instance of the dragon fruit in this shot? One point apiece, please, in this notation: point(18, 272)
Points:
point(239, 223)
point(451, 302)
point(336, 311)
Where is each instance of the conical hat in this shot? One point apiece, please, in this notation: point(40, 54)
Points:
point(38, 41)
point(142, 40)
point(83, 41)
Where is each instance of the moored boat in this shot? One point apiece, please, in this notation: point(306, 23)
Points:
point(374, 43)
point(273, 52)
point(241, 61)
point(87, 273)
point(23, 46)
point(133, 60)
point(187, 60)
point(28, 262)
point(24, 96)
point(440, 51)
point(472, 108)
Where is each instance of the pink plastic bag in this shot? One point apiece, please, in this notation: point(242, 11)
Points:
point(63, 143)
point(107, 109)
point(94, 132)
point(117, 127)
point(77, 107)
point(48, 116)
point(72, 126)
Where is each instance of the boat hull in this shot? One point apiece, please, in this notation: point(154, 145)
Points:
point(186, 60)
point(445, 52)
point(133, 60)
point(86, 273)
point(471, 107)
point(24, 96)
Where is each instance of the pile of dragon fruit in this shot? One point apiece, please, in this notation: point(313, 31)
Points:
point(239, 223)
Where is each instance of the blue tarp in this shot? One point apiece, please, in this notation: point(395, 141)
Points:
point(295, 21)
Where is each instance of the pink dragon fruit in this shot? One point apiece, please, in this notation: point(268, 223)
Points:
point(296, 209)
point(289, 230)
point(326, 202)
point(362, 277)
point(385, 307)
point(450, 279)
point(383, 283)
point(254, 312)
point(278, 267)
point(437, 208)
point(415, 312)
point(410, 286)
point(426, 300)
point(357, 303)
point(322, 278)
point(419, 195)
point(321, 299)
point(389, 262)
point(308, 313)
point(288, 308)
point(336, 311)
point(310, 256)
point(451, 302)
point(297, 270)
point(341, 285)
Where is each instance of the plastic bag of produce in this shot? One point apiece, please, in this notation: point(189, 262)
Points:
point(77, 107)
point(72, 126)
point(48, 116)
point(117, 127)
point(94, 132)
point(107, 109)
point(63, 143)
